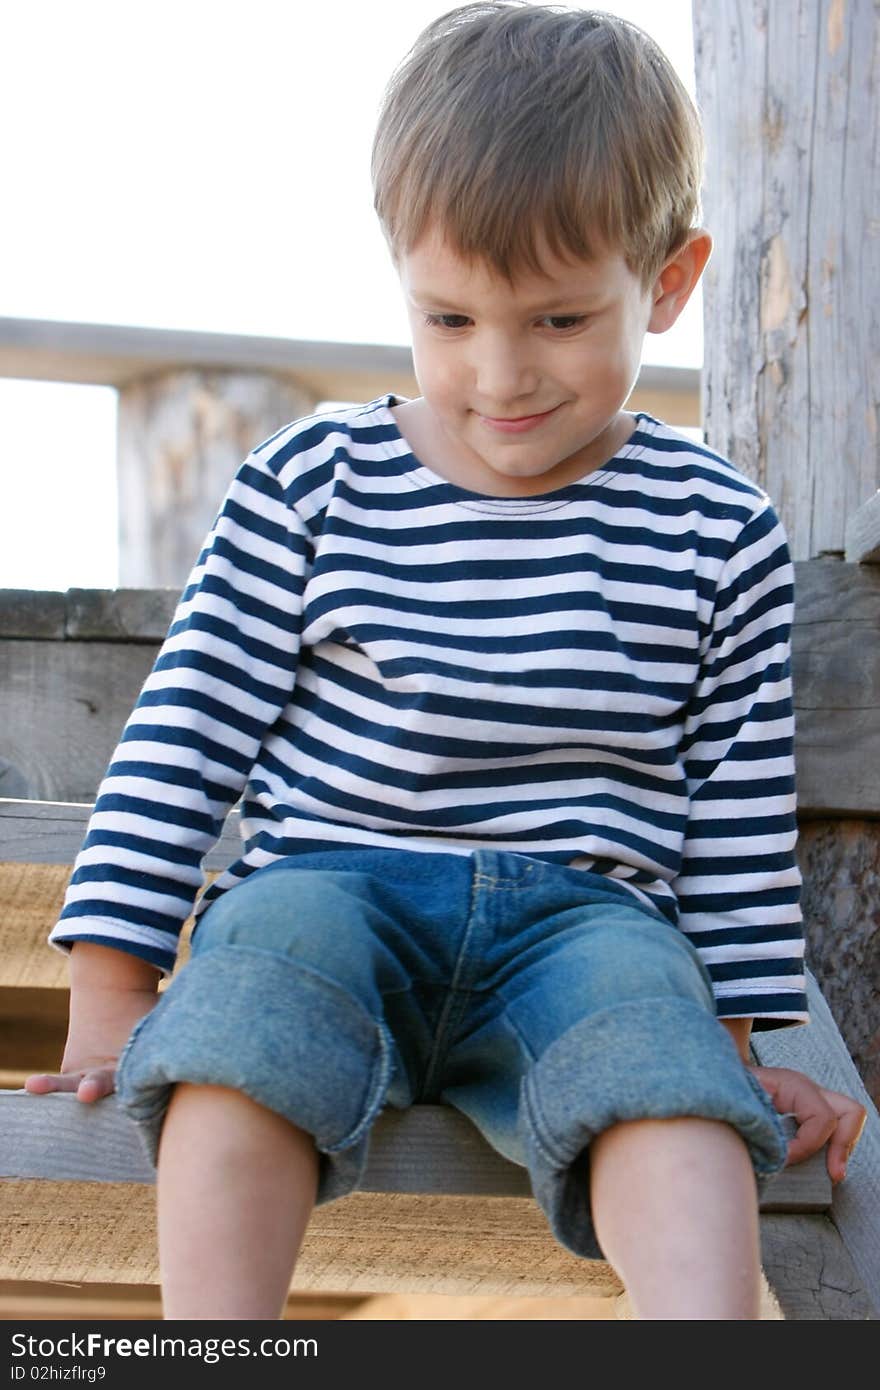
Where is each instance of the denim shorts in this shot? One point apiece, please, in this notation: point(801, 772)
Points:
point(544, 1002)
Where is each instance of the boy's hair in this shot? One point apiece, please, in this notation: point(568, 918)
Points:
point(512, 126)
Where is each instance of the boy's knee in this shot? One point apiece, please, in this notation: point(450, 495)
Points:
point(227, 1120)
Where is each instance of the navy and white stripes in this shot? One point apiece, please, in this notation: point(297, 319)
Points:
point(372, 656)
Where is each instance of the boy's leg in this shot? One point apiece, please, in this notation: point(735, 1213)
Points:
point(603, 1047)
point(675, 1210)
point(235, 1188)
point(295, 1021)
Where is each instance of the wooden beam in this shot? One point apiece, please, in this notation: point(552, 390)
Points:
point(863, 533)
point(810, 1270)
point(181, 435)
point(88, 615)
point(790, 100)
point(100, 354)
point(836, 678)
point(51, 832)
point(431, 1150)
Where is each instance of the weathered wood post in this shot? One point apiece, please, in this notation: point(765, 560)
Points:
point(181, 436)
point(790, 97)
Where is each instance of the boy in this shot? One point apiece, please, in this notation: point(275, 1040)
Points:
point(503, 675)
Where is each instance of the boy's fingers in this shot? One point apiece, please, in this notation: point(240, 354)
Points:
point(814, 1130)
point(845, 1137)
point(45, 1082)
point(88, 1085)
point(95, 1084)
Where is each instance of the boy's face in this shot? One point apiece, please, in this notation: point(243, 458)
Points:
point(522, 385)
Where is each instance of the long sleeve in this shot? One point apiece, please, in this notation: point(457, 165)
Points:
point(739, 884)
point(224, 673)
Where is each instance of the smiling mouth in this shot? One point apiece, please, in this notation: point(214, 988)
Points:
point(518, 423)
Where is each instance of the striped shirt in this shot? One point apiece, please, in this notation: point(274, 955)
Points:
point(368, 655)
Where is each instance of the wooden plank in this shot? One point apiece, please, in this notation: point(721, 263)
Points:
point(810, 1270)
point(119, 615)
point(47, 1302)
point(863, 533)
point(436, 1307)
point(428, 1149)
point(116, 615)
point(62, 708)
point(840, 864)
point(444, 1307)
point(33, 1027)
point(33, 613)
point(836, 679)
point(31, 898)
point(81, 1232)
point(52, 832)
point(106, 1233)
point(117, 354)
point(829, 588)
point(819, 1051)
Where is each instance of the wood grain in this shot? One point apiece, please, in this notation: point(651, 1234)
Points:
point(106, 1232)
point(791, 379)
point(62, 709)
point(863, 533)
point(810, 1270)
point(182, 436)
point(430, 1150)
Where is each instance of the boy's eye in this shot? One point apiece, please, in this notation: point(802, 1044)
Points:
point(446, 320)
point(560, 322)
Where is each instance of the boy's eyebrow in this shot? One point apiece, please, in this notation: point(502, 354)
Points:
point(423, 298)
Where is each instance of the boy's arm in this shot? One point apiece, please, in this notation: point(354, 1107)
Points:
point(738, 885)
point(224, 674)
point(110, 991)
point(740, 1030)
point(222, 677)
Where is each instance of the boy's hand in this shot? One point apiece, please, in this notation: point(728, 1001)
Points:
point(109, 993)
point(822, 1117)
point(88, 1066)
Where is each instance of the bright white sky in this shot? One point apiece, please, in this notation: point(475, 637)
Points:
point(195, 164)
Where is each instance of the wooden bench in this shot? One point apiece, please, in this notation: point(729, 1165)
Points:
point(439, 1211)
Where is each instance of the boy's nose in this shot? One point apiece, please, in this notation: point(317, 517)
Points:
point(504, 377)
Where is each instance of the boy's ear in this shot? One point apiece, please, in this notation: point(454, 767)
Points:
point(677, 280)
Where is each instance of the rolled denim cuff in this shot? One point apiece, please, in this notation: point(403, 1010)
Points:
point(306, 1049)
point(647, 1059)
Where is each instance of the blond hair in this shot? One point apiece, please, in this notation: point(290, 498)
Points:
point(514, 127)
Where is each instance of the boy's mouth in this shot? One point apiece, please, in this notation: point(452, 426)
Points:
point(517, 424)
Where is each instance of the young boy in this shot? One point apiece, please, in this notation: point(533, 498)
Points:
point(502, 674)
